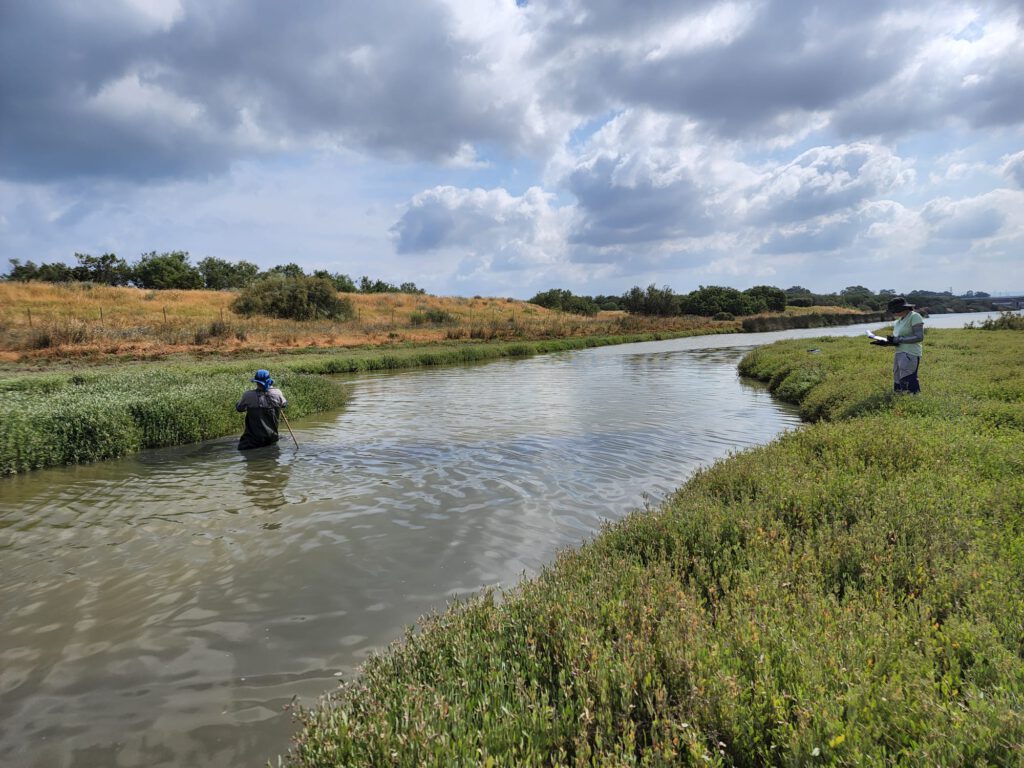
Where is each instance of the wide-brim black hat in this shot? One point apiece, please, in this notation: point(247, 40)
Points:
point(898, 304)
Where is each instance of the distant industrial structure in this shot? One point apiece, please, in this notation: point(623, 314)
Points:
point(1008, 302)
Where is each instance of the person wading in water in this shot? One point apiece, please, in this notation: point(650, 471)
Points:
point(262, 407)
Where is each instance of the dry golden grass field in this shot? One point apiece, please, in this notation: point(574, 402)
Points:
point(42, 321)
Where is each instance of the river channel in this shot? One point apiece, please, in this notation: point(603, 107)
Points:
point(162, 609)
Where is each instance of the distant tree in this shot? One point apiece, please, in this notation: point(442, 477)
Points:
point(766, 298)
point(107, 269)
point(291, 269)
point(827, 299)
point(57, 272)
point(550, 299)
point(366, 285)
point(858, 296)
point(342, 283)
point(710, 300)
point(22, 273)
point(608, 303)
point(564, 301)
point(945, 301)
point(166, 271)
point(294, 298)
point(652, 301)
point(797, 290)
point(410, 288)
point(221, 275)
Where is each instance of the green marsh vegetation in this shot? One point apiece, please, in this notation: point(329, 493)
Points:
point(847, 595)
point(56, 419)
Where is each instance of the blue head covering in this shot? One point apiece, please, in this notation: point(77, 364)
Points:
point(262, 379)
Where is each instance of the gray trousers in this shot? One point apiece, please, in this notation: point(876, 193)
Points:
point(904, 373)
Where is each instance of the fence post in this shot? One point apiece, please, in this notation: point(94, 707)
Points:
point(165, 314)
point(29, 317)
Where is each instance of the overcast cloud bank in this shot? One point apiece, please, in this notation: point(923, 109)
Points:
point(484, 147)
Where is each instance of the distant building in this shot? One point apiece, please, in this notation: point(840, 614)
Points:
point(1008, 304)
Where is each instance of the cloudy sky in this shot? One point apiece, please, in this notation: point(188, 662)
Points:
point(500, 148)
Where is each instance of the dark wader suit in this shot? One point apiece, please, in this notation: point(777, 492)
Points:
point(262, 410)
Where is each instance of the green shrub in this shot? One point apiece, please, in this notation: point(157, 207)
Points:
point(214, 330)
point(432, 315)
point(294, 298)
point(1007, 321)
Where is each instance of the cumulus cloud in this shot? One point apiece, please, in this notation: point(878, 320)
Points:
point(970, 219)
point(877, 230)
point(646, 178)
point(826, 179)
point(966, 66)
point(513, 232)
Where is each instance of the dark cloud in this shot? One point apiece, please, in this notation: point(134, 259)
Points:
point(998, 98)
point(1014, 169)
point(397, 78)
point(388, 77)
point(785, 56)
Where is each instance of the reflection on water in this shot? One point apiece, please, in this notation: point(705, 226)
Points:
point(160, 610)
point(264, 478)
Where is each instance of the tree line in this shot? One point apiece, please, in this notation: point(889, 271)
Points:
point(174, 270)
point(723, 303)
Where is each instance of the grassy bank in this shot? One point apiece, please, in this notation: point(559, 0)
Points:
point(46, 323)
point(847, 595)
point(807, 318)
point(42, 322)
point(104, 412)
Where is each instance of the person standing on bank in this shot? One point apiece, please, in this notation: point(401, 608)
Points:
point(907, 336)
point(262, 408)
